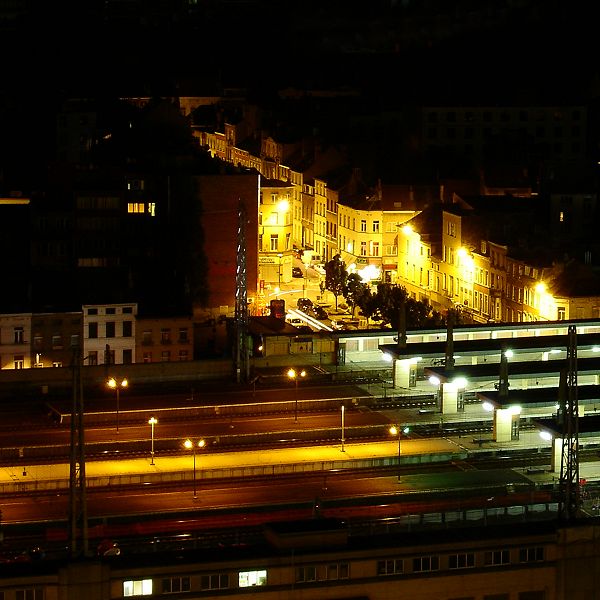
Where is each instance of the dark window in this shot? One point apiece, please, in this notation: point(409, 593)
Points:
point(92, 330)
point(127, 328)
point(110, 310)
point(92, 311)
point(128, 310)
point(127, 356)
point(110, 329)
point(173, 585)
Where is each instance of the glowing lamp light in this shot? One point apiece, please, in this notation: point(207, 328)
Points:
point(540, 287)
point(283, 206)
point(462, 252)
point(416, 359)
point(407, 229)
point(460, 382)
point(515, 409)
point(546, 436)
point(433, 380)
point(387, 357)
point(369, 273)
point(596, 349)
point(509, 354)
point(488, 406)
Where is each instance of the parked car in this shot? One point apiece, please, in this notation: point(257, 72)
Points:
point(305, 304)
point(320, 269)
point(297, 272)
point(320, 312)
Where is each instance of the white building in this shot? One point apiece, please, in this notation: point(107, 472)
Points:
point(109, 333)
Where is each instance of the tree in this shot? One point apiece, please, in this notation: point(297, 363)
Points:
point(355, 290)
point(335, 277)
point(389, 299)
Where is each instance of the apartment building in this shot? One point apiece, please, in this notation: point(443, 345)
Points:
point(109, 334)
point(15, 341)
point(516, 561)
point(164, 339)
point(557, 132)
point(476, 270)
point(55, 337)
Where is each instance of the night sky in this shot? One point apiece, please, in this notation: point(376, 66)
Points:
point(404, 51)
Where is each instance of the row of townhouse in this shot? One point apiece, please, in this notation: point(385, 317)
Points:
point(377, 237)
point(103, 334)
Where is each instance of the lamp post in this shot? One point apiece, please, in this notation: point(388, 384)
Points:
point(152, 421)
point(343, 426)
point(280, 255)
point(189, 445)
point(116, 385)
point(395, 430)
point(295, 375)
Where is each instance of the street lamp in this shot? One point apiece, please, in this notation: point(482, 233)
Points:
point(152, 421)
point(189, 445)
point(280, 255)
point(343, 426)
point(117, 385)
point(395, 430)
point(295, 375)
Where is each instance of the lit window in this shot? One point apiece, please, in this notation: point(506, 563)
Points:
point(19, 361)
point(252, 578)
point(137, 587)
point(18, 335)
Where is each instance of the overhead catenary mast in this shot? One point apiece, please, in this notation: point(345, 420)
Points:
point(242, 364)
point(78, 523)
point(569, 418)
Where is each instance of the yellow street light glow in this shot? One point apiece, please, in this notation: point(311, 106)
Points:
point(112, 383)
point(407, 229)
point(462, 252)
point(152, 421)
point(546, 435)
point(488, 406)
point(509, 354)
point(433, 380)
point(393, 430)
point(283, 206)
point(540, 287)
point(188, 444)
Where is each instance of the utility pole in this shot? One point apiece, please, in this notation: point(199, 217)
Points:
point(242, 367)
point(503, 384)
point(569, 418)
point(78, 523)
point(449, 362)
